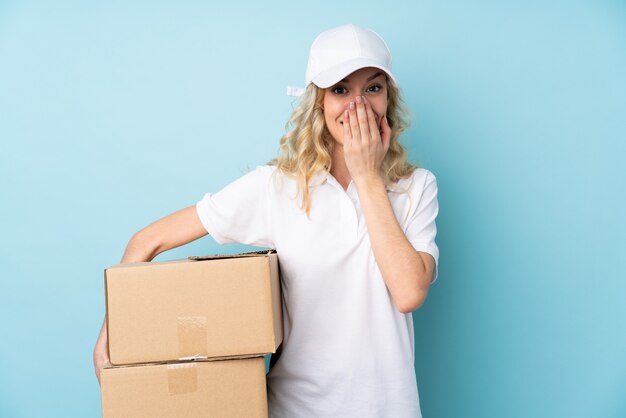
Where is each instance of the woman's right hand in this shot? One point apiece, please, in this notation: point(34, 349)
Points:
point(100, 351)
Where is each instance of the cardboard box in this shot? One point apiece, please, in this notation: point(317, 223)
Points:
point(208, 307)
point(222, 388)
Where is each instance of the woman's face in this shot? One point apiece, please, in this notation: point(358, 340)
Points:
point(369, 82)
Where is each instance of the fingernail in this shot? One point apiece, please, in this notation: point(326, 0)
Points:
point(358, 99)
point(351, 105)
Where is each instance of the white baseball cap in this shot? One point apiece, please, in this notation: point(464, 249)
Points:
point(340, 51)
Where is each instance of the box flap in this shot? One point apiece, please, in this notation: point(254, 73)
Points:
point(220, 256)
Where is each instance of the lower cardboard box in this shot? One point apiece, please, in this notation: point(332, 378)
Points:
point(219, 388)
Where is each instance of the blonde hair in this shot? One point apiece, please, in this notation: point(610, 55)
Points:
point(305, 149)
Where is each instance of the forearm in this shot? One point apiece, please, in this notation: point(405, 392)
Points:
point(402, 268)
point(101, 344)
point(172, 231)
point(141, 247)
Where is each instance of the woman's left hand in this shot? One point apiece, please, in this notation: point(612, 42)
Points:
point(365, 143)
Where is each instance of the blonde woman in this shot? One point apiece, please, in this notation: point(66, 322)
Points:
point(354, 226)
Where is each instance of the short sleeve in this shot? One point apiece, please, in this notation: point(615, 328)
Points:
point(421, 227)
point(239, 212)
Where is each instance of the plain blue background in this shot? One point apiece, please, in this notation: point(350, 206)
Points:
point(114, 114)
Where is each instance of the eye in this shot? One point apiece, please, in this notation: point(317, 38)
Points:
point(375, 88)
point(339, 90)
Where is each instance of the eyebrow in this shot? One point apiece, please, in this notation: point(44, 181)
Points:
point(345, 80)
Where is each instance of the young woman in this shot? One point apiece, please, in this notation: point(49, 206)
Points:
point(354, 226)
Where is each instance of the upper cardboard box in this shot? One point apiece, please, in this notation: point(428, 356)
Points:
point(214, 307)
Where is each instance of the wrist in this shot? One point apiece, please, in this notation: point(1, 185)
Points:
point(368, 180)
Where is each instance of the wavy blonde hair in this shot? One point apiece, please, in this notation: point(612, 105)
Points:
point(306, 148)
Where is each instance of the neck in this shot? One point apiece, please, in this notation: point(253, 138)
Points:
point(339, 169)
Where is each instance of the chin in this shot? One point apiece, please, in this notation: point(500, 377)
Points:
point(336, 139)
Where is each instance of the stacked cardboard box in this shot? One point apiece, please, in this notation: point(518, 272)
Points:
point(187, 338)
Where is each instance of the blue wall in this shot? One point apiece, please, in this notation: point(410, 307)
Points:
point(114, 114)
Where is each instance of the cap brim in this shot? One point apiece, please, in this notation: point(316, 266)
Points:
point(334, 75)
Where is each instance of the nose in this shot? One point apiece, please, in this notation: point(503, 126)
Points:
point(350, 98)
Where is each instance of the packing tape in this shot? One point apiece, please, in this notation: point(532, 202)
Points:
point(192, 337)
point(182, 378)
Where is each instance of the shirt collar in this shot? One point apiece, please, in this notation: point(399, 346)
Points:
point(322, 176)
point(318, 178)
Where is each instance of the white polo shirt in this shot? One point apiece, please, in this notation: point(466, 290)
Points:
point(347, 350)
